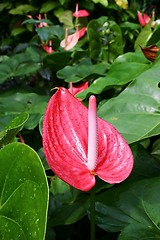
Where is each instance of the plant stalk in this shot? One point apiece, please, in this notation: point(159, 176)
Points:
point(92, 214)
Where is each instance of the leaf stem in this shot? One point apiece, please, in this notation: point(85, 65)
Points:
point(92, 214)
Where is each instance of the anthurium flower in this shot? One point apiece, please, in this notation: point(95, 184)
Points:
point(143, 19)
point(78, 88)
point(79, 146)
point(80, 13)
point(71, 40)
point(41, 24)
point(48, 48)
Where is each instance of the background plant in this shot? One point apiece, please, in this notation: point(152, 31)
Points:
point(126, 85)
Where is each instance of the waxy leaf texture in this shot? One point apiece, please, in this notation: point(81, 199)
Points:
point(65, 142)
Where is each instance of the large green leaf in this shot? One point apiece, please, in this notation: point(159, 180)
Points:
point(82, 71)
point(51, 32)
point(116, 42)
point(103, 2)
point(20, 65)
point(11, 130)
point(135, 112)
point(132, 209)
point(48, 6)
point(64, 17)
point(14, 104)
point(143, 37)
point(145, 166)
point(57, 60)
point(23, 194)
point(22, 9)
point(94, 39)
point(124, 69)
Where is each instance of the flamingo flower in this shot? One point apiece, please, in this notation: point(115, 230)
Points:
point(79, 146)
point(143, 19)
point(80, 13)
point(78, 88)
point(48, 48)
point(71, 40)
point(41, 24)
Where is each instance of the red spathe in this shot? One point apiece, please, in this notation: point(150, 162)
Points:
point(65, 142)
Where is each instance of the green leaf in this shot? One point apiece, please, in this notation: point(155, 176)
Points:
point(132, 209)
point(65, 17)
point(156, 149)
point(11, 130)
point(103, 2)
point(22, 9)
point(116, 41)
point(124, 69)
point(47, 33)
point(145, 166)
point(57, 60)
point(18, 66)
point(136, 111)
point(24, 194)
point(143, 37)
point(62, 1)
point(48, 6)
point(155, 36)
point(31, 103)
point(17, 31)
point(4, 6)
point(94, 39)
point(82, 71)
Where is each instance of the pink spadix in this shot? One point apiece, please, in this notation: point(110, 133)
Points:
point(92, 134)
point(78, 145)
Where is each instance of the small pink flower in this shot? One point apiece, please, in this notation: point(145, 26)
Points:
point(41, 24)
point(71, 40)
point(80, 13)
point(78, 88)
point(82, 32)
point(48, 48)
point(143, 19)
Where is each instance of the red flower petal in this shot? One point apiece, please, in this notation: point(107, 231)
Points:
point(82, 31)
point(71, 40)
point(115, 160)
point(78, 88)
point(81, 13)
point(65, 142)
point(143, 19)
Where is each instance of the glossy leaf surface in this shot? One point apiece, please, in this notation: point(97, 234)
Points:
point(135, 63)
point(133, 209)
point(82, 71)
point(19, 65)
point(138, 104)
point(31, 103)
point(65, 141)
point(24, 193)
point(11, 130)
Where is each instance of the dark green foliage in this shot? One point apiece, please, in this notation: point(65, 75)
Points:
point(126, 85)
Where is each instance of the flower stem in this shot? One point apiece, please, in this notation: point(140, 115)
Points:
point(92, 214)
